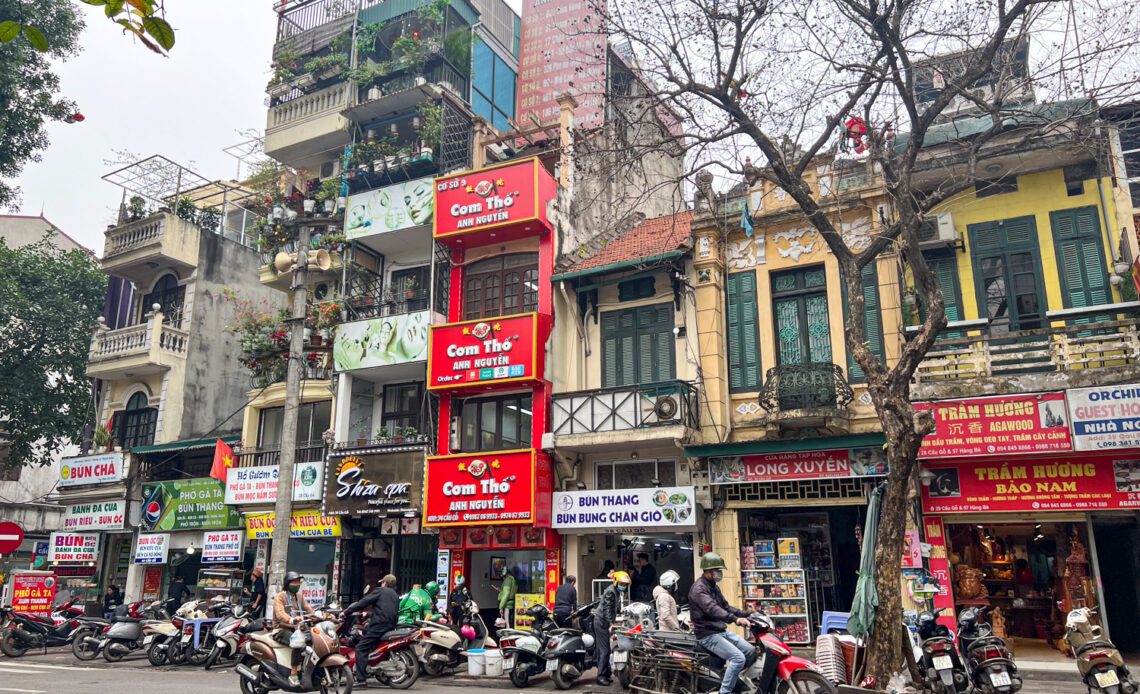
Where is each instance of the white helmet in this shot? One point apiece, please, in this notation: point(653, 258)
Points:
point(669, 580)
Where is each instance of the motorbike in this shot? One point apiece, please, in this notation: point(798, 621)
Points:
point(266, 662)
point(392, 662)
point(634, 618)
point(570, 652)
point(443, 646)
point(675, 661)
point(1101, 666)
point(126, 630)
point(939, 663)
point(522, 651)
point(230, 634)
point(165, 641)
point(24, 631)
point(989, 663)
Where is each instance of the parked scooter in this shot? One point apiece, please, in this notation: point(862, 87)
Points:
point(680, 663)
point(266, 662)
point(571, 652)
point(392, 662)
point(230, 634)
point(24, 631)
point(443, 646)
point(941, 667)
point(989, 664)
point(522, 652)
point(169, 641)
point(126, 632)
point(1101, 666)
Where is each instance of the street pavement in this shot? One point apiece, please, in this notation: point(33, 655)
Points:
point(59, 671)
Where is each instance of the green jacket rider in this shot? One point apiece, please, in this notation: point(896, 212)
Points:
point(419, 604)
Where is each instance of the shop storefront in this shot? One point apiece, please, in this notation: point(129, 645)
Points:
point(795, 518)
point(313, 538)
point(186, 530)
point(1034, 499)
point(377, 494)
point(617, 527)
point(92, 549)
point(493, 511)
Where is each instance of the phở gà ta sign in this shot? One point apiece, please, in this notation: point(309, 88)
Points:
point(1029, 423)
point(476, 353)
point(493, 197)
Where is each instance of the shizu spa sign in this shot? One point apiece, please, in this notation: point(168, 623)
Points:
point(484, 352)
point(386, 483)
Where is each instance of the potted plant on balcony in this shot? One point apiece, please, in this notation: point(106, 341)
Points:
point(383, 436)
point(101, 440)
point(136, 208)
point(411, 434)
point(410, 287)
point(326, 67)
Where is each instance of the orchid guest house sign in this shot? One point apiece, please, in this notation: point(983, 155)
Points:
point(386, 483)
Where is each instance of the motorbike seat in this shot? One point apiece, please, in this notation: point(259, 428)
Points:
point(126, 620)
point(1092, 645)
point(399, 633)
point(987, 641)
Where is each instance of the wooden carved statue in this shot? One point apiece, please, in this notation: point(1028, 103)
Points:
point(968, 583)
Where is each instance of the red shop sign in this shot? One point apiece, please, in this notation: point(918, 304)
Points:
point(1058, 483)
point(507, 197)
point(486, 489)
point(1034, 423)
point(940, 569)
point(484, 352)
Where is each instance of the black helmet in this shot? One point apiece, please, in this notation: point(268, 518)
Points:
point(292, 576)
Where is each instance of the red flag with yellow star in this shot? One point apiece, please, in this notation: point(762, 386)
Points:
point(223, 460)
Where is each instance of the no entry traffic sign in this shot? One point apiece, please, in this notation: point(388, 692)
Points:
point(11, 535)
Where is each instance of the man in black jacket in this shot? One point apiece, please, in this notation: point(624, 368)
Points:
point(385, 604)
point(604, 617)
point(644, 579)
point(711, 613)
point(565, 601)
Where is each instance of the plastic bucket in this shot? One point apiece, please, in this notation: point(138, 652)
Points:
point(494, 660)
point(477, 662)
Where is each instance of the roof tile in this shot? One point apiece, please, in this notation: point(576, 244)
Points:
point(649, 238)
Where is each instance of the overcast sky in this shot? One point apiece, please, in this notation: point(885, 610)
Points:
point(187, 107)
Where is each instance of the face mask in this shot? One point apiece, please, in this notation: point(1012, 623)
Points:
point(621, 587)
point(718, 576)
point(294, 589)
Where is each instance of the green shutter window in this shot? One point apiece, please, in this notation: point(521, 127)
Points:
point(945, 270)
point(743, 333)
point(1080, 260)
point(799, 302)
point(637, 346)
point(872, 320)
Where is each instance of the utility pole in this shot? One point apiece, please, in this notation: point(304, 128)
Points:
point(283, 509)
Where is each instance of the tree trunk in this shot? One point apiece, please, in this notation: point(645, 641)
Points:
point(886, 655)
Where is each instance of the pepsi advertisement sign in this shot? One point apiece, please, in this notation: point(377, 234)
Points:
point(194, 504)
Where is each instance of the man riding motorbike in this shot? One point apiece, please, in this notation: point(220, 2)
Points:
point(604, 617)
point(711, 613)
point(419, 604)
point(289, 607)
point(385, 604)
point(665, 603)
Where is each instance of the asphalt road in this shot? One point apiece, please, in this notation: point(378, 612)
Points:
point(59, 671)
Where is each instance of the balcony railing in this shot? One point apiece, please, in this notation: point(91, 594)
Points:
point(138, 340)
point(302, 15)
point(977, 350)
point(308, 452)
point(275, 371)
point(671, 403)
point(805, 387)
point(361, 307)
point(133, 235)
point(441, 73)
point(329, 101)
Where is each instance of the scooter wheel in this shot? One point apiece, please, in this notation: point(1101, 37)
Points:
point(80, 649)
point(520, 674)
point(156, 654)
point(432, 668)
point(625, 677)
point(561, 681)
point(807, 682)
point(212, 659)
point(109, 655)
point(12, 646)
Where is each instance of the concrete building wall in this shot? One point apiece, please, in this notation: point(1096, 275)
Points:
point(215, 383)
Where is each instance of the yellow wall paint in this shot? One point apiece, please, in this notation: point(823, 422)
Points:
point(1037, 195)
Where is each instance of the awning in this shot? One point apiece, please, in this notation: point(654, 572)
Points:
point(787, 445)
point(190, 445)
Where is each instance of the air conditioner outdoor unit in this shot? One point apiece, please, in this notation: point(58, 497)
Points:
point(937, 231)
point(660, 408)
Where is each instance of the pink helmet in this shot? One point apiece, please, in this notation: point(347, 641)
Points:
point(468, 632)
